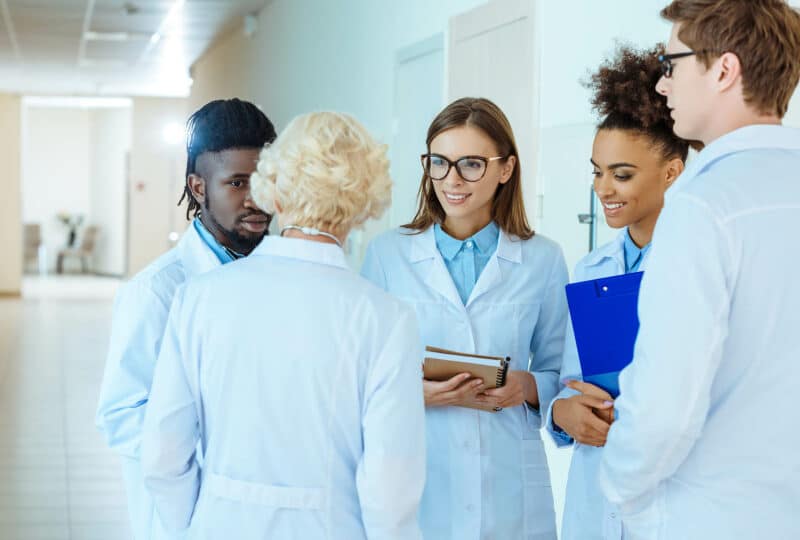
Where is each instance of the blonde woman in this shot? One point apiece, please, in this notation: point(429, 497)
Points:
point(290, 369)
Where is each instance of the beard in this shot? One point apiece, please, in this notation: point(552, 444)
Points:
point(236, 241)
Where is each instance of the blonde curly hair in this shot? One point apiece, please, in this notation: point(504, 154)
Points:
point(326, 171)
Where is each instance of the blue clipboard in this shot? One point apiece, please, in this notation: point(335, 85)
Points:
point(605, 321)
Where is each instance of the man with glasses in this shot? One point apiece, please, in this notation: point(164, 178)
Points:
point(701, 449)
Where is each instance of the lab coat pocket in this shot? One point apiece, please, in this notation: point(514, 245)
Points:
point(538, 507)
point(296, 498)
point(229, 508)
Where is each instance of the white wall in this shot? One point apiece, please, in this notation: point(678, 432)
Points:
point(156, 180)
point(110, 142)
point(10, 211)
point(55, 170)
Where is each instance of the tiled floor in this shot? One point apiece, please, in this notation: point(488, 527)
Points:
point(57, 479)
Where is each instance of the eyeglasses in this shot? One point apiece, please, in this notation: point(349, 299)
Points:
point(470, 168)
point(666, 61)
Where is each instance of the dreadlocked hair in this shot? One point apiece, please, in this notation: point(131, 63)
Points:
point(624, 95)
point(224, 124)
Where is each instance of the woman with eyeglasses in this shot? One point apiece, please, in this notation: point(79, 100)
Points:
point(481, 282)
point(635, 158)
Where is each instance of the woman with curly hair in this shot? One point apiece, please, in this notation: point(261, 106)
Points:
point(636, 157)
point(291, 370)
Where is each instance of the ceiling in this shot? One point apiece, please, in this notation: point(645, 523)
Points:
point(110, 47)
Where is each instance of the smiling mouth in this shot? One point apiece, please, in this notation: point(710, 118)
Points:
point(613, 206)
point(456, 197)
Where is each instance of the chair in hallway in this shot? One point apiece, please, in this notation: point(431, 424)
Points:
point(32, 244)
point(84, 251)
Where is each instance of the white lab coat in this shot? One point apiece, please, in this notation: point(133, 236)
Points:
point(587, 513)
point(139, 318)
point(703, 447)
point(487, 472)
point(300, 379)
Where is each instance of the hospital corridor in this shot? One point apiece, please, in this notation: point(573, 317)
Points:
point(418, 269)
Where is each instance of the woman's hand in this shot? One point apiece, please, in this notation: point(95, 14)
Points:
point(454, 391)
point(595, 391)
point(520, 387)
point(585, 417)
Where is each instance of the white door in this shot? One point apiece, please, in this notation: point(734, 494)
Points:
point(418, 98)
point(493, 53)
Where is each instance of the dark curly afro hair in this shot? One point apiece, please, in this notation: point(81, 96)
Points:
point(625, 96)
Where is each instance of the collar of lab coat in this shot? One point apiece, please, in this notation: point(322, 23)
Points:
point(196, 256)
point(423, 248)
point(611, 250)
point(304, 250)
point(746, 138)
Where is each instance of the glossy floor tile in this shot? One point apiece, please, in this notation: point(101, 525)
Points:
point(58, 481)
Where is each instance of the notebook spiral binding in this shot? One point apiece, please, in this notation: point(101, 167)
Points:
point(501, 373)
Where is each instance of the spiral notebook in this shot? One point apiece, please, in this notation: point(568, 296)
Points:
point(442, 364)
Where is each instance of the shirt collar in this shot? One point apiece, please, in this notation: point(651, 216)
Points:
point(633, 252)
point(484, 240)
point(611, 250)
point(224, 254)
point(746, 138)
point(301, 249)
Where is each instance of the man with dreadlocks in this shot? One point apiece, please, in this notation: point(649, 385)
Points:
point(224, 140)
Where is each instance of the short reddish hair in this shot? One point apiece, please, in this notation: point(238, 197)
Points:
point(763, 34)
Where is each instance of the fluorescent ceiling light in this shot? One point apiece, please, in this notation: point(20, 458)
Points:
point(113, 36)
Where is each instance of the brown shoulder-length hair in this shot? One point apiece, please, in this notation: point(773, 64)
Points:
point(508, 208)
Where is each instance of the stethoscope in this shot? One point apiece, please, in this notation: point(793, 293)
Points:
point(311, 231)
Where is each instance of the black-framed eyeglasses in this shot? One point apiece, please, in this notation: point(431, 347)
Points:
point(470, 168)
point(666, 61)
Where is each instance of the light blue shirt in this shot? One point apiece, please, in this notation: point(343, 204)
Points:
point(633, 254)
point(298, 378)
point(466, 259)
point(587, 513)
point(224, 254)
point(487, 473)
point(701, 448)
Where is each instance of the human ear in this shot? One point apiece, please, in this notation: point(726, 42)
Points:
point(508, 169)
point(673, 170)
point(729, 71)
point(197, 185)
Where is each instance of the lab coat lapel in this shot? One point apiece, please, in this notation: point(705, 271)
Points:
point(427, 258)
point(507, 249)
point(196, 256)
